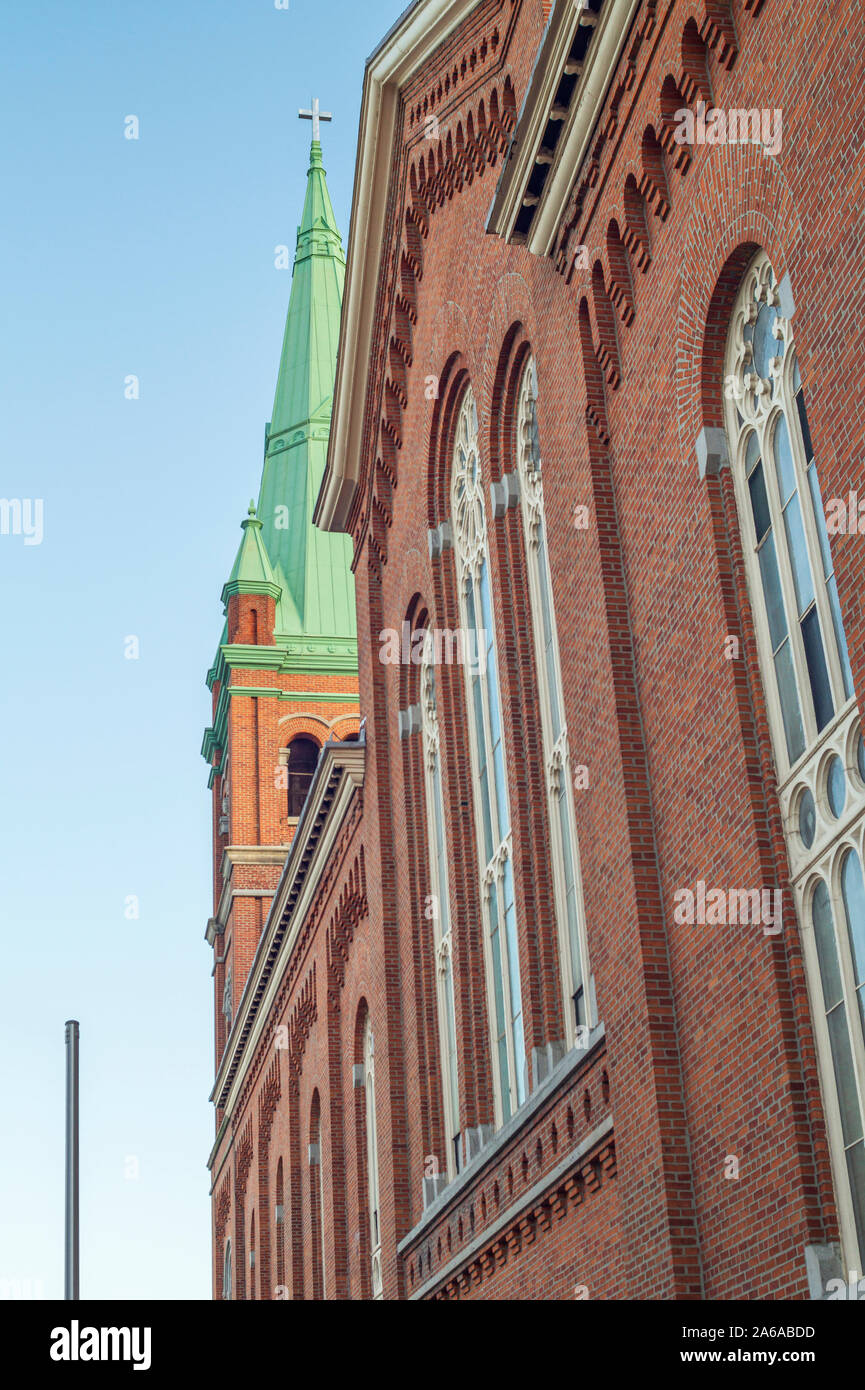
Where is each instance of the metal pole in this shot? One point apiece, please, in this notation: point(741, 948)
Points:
point(72, 1160)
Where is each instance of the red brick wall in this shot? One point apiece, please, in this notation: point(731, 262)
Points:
point(708, 1049)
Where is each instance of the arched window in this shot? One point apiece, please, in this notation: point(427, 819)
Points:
point(573, 950)
point(372, 1157)
point(251, 1293)
point(316, 1192)
point(226, 1001)
point(279, 1223)
point(816, 732)
point(226, 1272)
point(486, 738)
point(440, 906)
point(302, 762)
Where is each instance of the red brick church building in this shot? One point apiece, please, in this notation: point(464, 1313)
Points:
point(536, 756)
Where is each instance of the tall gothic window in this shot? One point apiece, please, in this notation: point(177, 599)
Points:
point(573, 951)
point(817, 737)
point(316, 1192)
point(279, 1222)
point(486, 738)
point(439, 908)
point(372, 1156)
point(226, 1002)
point(251, 1293)
point(226, 1272)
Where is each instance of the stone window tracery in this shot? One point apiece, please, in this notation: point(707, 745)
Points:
point(372, 1158)
point(486, 739)
point(816, 731)
point(573, 950)
point(439, 908)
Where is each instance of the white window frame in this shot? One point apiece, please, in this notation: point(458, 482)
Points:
point(471, 550)
point(436, 820)
point(573, 953)
point(227, 1001)
point(372, 1158)
point(755, 402)
point(319, 1164)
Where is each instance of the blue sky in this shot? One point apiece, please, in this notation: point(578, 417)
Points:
point(152, 258)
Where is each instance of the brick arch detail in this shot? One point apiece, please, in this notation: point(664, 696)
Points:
point(292, 725)
point(451, 334)
point(451, 354)
point(351, 721)
point(512, 304)
point(761, 212)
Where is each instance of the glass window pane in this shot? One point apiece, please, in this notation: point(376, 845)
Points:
point(803, 422)
point(845, 1075)
point(820, 518)
point(503, 1079)
point(498, 992)
point(840, 636)
point(766, 345)
point(807, 818)
point(831, 586)
point(486, 610)
point(817, 672)
point(752, 450)
point(772, 593)
point(501, 792)
point(784, 461)
point(789, 697)
point(470, 605)
point(483, 789)
point(451, 1028)
point(836, 786)
point(511, 938)
point(495, 941)
point(520, 1059)
point(856, 1173)
point(759, 502)
point(798, 550)
point(546, 601)
point(827, 951)
point(853, 889)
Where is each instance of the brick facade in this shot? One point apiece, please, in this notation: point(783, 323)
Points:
point(610, 1182)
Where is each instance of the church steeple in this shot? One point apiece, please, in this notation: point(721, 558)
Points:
point(284, 682)
point(311, 566)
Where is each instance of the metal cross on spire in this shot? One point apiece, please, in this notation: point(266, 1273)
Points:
point(315, 114)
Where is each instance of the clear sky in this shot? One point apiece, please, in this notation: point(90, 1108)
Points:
point(151, 258)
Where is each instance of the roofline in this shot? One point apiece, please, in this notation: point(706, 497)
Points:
point(613, 23)
point(420, 29)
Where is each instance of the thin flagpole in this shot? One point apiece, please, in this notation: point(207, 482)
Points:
point(71, 1160)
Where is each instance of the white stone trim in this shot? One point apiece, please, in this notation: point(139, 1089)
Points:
point(753, 403)
point(471, 548)
point(556, 749)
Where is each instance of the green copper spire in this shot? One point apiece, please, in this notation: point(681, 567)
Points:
point(312, 567)
point(253, 572)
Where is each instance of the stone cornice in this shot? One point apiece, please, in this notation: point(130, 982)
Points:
point(252, 854)
point(537, 180)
